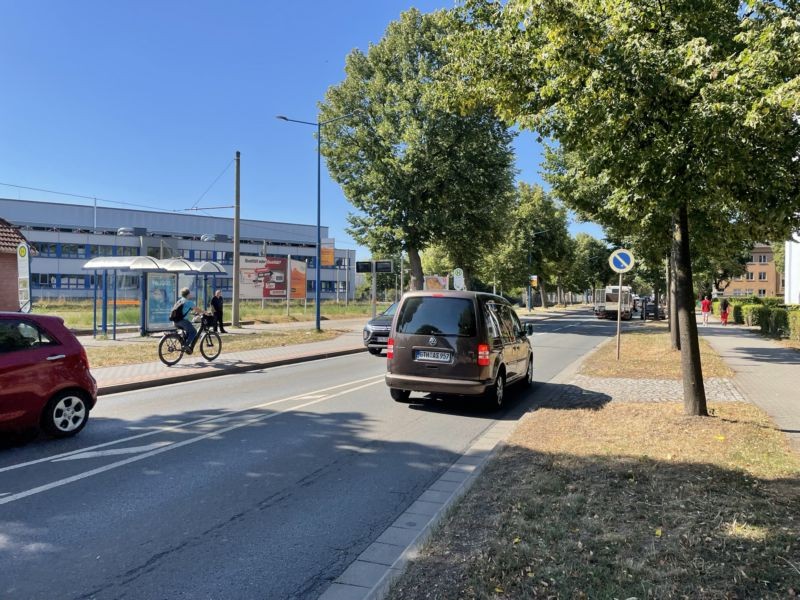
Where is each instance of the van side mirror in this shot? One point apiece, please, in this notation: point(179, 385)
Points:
point(528, 328)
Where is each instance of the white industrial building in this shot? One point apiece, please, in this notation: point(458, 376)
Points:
point(66, 236)
point(792, 288)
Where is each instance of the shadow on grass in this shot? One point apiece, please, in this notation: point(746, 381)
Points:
point(540, 525)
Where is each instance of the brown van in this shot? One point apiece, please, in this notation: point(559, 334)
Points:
point(457, 343)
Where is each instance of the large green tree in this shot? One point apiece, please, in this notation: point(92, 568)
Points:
point(670, 110)
point(419, 174)
point(536, 243)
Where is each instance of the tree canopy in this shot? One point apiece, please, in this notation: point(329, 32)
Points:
point(418, 173)
point(667, 116)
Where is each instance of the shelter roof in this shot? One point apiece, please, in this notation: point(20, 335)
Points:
point(148, 263)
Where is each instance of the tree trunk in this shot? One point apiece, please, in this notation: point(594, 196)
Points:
point(655, 300)
point(674, 327)
point(694, 393)
point(543, 293)
point(415, 267)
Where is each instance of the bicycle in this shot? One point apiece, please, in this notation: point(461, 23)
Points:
point(173, 345)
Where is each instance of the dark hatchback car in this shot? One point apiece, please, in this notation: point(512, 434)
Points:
point(376, 331)
point(44, 376)
point(457, 343)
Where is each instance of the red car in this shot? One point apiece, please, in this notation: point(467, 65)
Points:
point(44, 376)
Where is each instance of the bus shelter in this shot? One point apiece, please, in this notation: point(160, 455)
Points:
point(158, 287)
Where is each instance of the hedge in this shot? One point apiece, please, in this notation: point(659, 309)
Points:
point(794, 325)
point(779, 322)
point(751, 314)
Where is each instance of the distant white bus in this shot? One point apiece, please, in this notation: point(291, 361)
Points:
point(608, 302)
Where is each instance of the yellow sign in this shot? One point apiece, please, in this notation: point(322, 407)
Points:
point(22, 250)
point(534, 281)
point(327, 257)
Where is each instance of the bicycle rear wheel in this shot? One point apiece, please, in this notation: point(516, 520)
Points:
point(210, 345)
point(170, 349)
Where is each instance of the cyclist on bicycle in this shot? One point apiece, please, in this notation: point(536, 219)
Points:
point(188, 307)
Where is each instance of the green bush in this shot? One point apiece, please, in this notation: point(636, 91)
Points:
point(794, 324)
point(735, 313)
point(750, 314)
point(772, 301)
point(779, 322)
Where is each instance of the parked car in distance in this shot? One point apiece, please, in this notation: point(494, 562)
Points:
point(457, 343)
point(376, 331)
point(44, 376)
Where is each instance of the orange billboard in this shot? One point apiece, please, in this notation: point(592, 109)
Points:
point(298, 280)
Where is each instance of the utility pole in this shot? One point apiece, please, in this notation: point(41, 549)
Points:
point(235, 301)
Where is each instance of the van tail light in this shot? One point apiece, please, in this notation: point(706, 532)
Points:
point(390, 348)
point(483, 355)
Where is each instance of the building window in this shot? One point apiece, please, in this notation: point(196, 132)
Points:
point(737, 292)
point(748, 292)
point(127, 251)
point(101, 250)
point(752, 258)
point(762, 293)
point(750, 276)
point(43, 280)
point(47, 249)
point(204, 255)
point(762, 258)
point(73, 282)
point(762, 276)
point(73, 251)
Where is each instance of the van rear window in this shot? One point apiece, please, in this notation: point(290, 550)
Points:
point(428, 315)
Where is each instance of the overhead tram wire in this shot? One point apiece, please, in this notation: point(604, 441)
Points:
point(93, 198)
point(213, 183)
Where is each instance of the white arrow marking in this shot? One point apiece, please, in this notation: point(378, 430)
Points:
point(114, 451)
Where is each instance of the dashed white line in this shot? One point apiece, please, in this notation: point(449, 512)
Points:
point(174, 446)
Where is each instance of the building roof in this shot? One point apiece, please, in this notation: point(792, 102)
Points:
point(10, 237)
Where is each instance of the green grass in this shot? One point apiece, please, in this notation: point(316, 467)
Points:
point(77, 314)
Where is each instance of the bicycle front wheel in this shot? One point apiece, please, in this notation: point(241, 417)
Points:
point(210, 345)
point(170, 349)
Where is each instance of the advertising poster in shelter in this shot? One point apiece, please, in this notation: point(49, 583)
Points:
point(162, 292)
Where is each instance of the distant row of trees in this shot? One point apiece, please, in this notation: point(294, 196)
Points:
point(673, 124)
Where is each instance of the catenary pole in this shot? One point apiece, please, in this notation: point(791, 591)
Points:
point(235, 300)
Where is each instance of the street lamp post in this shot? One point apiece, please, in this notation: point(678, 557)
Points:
point(318, 125)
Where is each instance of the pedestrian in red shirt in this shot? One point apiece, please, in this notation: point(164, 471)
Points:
point(705, 308)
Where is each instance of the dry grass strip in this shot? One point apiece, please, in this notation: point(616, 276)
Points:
point(146, 349)
point(627, 501)
point(646, 353)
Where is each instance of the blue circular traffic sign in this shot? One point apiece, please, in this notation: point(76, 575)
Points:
point(621, 260)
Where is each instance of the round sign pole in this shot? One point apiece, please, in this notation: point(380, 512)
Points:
point(620, 261)
point(619, 314)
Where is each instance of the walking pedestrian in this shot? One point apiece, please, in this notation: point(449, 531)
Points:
point(216, 307)
point(723, 311)
point(705, 308)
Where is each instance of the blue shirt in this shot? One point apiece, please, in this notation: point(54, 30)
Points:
point(188, 305)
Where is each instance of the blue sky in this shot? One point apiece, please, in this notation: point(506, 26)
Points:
point(146, 102)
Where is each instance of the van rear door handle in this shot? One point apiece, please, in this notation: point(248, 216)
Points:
point(57, 357)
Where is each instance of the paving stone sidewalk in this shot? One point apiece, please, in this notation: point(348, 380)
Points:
point(766, 374)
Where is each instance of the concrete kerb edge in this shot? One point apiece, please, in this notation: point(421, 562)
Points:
point(393, 572)
point(140, 385)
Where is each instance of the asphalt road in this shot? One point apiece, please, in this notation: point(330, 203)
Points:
point(258, 485)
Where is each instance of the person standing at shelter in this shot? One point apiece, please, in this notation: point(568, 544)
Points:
point(216, 308)
point(705, 308)
point(724, 306)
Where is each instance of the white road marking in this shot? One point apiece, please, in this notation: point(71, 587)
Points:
point(113, 451)
point(174, 446)
point(176, 427)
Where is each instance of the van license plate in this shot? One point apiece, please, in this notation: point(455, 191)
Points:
point(382, 338)
point(432, 356)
